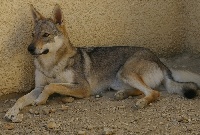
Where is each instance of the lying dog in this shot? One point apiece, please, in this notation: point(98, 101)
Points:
point(80, 72)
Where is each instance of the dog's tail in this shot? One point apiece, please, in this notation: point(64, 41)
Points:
point(184, 83)
point(185, 76)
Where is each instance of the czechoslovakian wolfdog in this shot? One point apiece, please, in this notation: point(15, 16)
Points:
point(81, 72)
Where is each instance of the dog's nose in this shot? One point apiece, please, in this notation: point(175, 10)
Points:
point(31, 48)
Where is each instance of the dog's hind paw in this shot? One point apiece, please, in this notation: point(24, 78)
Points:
point(120, 95)
point(141, 103)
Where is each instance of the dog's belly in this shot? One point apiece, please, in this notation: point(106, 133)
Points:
point(119, 85)
point(97, 86)
point(101, 85)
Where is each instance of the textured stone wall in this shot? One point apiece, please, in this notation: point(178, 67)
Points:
point(157, 24)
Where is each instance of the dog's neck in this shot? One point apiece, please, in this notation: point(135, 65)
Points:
point(50, 63)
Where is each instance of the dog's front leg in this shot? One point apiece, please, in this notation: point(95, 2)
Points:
point(74, 90)
point(26, 100)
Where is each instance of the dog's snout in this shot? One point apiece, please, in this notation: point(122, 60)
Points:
point(31, 48)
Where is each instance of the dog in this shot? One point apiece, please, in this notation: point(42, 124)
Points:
point(80, 72)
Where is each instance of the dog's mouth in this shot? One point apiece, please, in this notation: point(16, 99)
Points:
point(44, 52)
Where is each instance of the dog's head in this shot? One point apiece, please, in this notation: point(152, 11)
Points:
point(48, 33)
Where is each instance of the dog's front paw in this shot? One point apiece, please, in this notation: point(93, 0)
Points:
point(42, 99)
point(120, 95)
point(39, 101)
point(12, 115)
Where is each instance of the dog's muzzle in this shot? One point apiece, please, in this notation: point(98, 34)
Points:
point(32, 48)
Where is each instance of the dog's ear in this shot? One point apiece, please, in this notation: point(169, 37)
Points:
point(57, 16)
point(36, 15)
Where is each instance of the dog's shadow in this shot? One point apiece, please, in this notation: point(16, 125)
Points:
point(17, 63)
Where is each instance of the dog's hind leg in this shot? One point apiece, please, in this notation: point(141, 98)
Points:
point(136, 81)
point(143, 75)
point(26, 100)
point(74, 90)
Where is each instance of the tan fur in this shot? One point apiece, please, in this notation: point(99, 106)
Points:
point(135, 93)
point(63, 89)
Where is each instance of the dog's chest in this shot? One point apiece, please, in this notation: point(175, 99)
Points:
point(66, 76)
point(57, 73)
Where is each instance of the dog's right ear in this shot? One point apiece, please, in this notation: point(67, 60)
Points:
point(58, 16)
point(36, 15)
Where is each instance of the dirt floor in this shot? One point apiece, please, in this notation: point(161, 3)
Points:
point(98, 115)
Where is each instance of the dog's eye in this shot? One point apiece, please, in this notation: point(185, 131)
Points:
point(45, 34)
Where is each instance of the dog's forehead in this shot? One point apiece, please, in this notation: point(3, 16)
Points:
point(45, 25)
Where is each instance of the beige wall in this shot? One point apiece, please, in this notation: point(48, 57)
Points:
point(192, 25)
point(157, 24)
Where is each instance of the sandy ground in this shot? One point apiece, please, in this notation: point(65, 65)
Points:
point(170, 115)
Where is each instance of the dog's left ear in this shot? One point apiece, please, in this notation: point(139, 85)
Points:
point(58, 17)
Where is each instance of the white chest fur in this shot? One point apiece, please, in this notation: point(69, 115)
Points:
point(57, 74)
point(66, 76)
